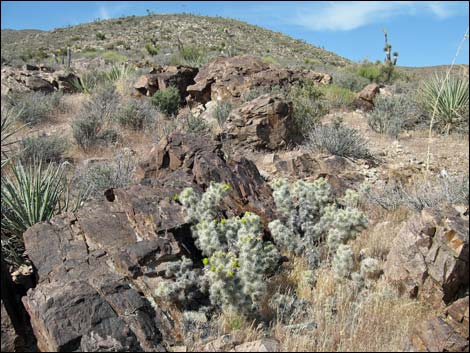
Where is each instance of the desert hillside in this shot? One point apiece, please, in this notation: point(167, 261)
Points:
point(185, 183)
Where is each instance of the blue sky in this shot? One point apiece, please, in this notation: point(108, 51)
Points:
point(423, 32)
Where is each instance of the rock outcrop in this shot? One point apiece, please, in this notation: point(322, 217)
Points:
point(365, 99)
point(430, 256)
point(226, 78)
point(262, 123)
point(37, 78)
point(163, 77)
point(97, 269)
point(448, 332)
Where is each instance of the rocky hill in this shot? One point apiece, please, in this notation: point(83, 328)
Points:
point(129, 37)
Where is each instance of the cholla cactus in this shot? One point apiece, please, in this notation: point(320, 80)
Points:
point(343, 261)
point(237, 258)
point(309, 214)
point(186, 287)
point(370, 268)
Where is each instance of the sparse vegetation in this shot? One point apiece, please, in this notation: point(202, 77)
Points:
point(44, 148)
point(35, 107)
point(392, 114)
point(222, 111)
point(339, 140)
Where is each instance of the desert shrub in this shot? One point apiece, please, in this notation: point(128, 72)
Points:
point(34, 194)
point(237, 259)
point(309, 215)
point(391, 114)
point(308, 105)
point(421, 193)
point(113, 57)
point(268, 59)
point(167, 101)
point(193, 56)
point(135, 114)
point(339, 140)
point(222, 111)
point(43, 148)
point(100, 35)
point(97, 177)
point(378, 72)
point(152, 49)
point(451, 109)
point(90, 128)
point(337, 97)
point(369, 71)
point(195, 124)
point(34, 107)
point(349, 80)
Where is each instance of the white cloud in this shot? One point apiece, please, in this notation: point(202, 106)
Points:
point(108, 11)
point(348, 15)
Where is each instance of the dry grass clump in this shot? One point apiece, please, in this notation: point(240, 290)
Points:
point(376, 319)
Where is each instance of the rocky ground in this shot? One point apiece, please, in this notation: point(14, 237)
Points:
point(91, 276)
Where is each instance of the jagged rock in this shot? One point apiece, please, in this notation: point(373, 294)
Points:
point(79, 295)
point(163, 77)
point(184, 160)
point(430, 256)
point(365, 99)
point(8, 333)
point(448, 332)
point(97, 269)
point(263, 123)
point(65, 81)
point(226, 78)
point(37, 78)
point(36, 83)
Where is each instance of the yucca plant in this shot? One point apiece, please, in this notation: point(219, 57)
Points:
point(118, 72)
point(446, 100)
point(34, 194)
point(8, 130)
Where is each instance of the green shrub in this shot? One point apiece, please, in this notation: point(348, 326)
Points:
point(369, 71)
point(167, 101)
point(349, 80)
point(391, 114)
point(308, 105)
point(113, 57)
point(222, 111)
point(339, 140)
point(268, 59)
point(100, 36)
point(337, 97)
point(152, 49)
point(450, 106)
point(43, 148)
